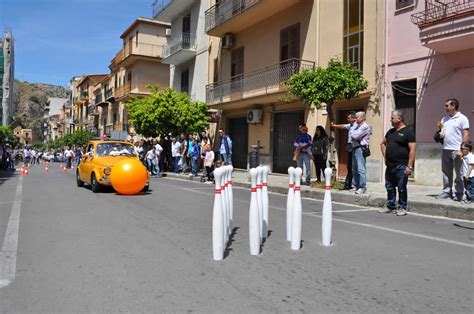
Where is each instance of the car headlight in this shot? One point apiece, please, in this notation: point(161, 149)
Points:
point(107, 171)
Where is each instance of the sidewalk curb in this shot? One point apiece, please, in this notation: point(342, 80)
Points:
point(377, 201)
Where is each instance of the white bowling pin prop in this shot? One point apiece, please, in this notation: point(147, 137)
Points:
point(254, 219)
point(224, 204)
point(231, 199)
point(217, 220)
point(289, 201)
point(297, 212)
point(327, 210)
point(265, 200)
point(259, 199)
point(227, 195)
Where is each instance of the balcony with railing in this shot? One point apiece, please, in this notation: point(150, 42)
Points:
point(167, 10)
point(231, 16)
point(446, 26)
point(108, 94)
point(180, 49)
point(122, 91)
point(132, 52)
point(262, 82)
point(92, 110)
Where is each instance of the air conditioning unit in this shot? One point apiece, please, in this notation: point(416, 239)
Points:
point(254, 116)
point(228, 41)
point(168, 32)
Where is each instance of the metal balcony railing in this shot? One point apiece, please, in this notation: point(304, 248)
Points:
point(122, 91)
point(98, 98)
point(140, 49)
point(255, 83)
point(441, 10)
point(225, 10)
point(109, 93)
point(159, 5)
point(184, 42)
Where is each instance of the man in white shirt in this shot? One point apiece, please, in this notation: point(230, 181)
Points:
point(454, 132)
point(175, 153)
point(68, 156)
point(152, 161)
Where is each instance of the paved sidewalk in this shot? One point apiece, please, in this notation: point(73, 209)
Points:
point(421, 199)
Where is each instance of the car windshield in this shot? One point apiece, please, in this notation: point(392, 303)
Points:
point(115, 149)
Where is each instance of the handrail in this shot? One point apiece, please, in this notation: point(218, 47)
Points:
point(263, 80)
point(185, 41)
point(440, 11)
point(224, 10)
point(159, 5)
point(140, 49)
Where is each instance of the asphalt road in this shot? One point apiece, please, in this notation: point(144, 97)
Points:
point(82, 252)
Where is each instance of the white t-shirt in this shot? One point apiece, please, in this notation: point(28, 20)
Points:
point(466, 161)
point(68, 153)
point(159, 149)
point(453, 127)
point(151, 155)
point(175, 149)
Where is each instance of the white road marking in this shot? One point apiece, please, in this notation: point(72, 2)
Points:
point(315, 214)
point(354, 210)
point(10, 243)
point(397, 231)
point(345, 204)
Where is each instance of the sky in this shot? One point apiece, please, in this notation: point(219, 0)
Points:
point(55, 40)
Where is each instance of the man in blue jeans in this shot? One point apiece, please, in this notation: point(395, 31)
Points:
point(398, 148)
point(359, 141)
point(225, 148)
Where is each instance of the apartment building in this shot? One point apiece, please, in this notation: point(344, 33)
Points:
point(187, 49)
point(256, 45)
point(430, 59)
point(54, 115)
point(135, 66)
point(84, 108)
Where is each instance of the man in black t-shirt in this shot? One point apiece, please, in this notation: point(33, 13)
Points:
point(398, 148)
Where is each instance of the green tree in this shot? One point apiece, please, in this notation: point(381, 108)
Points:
point(320, 86)
point(166, 111)
point(6, 135)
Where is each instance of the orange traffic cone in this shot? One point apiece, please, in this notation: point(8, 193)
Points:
point(64, 169)
point(25, 173)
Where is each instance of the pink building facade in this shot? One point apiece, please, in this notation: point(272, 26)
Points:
point(430, 53)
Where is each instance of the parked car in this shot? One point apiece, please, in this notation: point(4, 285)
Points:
point(98, 162)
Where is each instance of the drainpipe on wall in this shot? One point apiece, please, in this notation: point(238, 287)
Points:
point(385, 83)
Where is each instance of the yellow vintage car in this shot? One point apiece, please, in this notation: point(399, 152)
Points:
point(98, 161)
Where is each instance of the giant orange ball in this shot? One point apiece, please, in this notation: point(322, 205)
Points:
point(128, 176)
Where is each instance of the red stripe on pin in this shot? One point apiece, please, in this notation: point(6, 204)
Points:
point(291, 186)
point(297, 188)
point(259, 186)
point(328, 187)
point(218, 191)
point(254, 190)
point(230, 182)
point(264, 184)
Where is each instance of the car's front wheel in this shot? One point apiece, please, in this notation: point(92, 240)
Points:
point(78, 180)
point(146, 188)
point(95, 186)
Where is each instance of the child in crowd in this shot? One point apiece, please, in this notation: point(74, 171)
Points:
point(209, 162)
point(468, 171)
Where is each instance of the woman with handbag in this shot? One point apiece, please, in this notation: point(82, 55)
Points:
point(320, 151)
